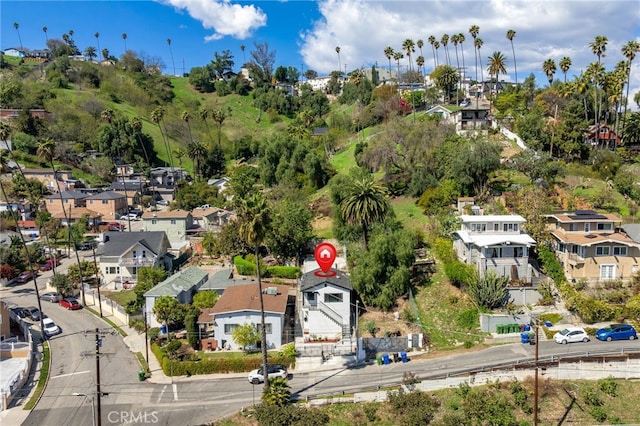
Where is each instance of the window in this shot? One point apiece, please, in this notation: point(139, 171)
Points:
point(587, 227)
point(267, 327)
point(113, 270)
point(173, 221)
point(619, 251)
point(228, 328)
point(105, 202)
point(604, 227)
point(518, 252)
point(573, 227)
point(496, 227)
point(510, 227)
point(478, 227)
point(311, 297)
point(603, 251)
point(154, 221)
point(607, 272)
point(333, 298)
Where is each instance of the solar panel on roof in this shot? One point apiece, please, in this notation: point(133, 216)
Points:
point(585, 212)
point(587, 217)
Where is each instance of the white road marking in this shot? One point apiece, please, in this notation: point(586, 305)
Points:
point(161, 393)
point(71, 374)
point(175, 392)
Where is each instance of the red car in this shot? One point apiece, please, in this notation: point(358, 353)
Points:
point(70, 303)
point(48, 265)
point(24, 276)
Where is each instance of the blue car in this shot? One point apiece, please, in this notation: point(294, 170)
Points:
point(617, 332)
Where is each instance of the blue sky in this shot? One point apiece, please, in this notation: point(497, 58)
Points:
point(304, 34)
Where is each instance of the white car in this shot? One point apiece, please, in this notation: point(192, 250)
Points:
point(571, 335)
point(274, 370)
point(50, 327)
point(130, 216)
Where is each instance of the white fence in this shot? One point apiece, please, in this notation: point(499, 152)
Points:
point(109, 307)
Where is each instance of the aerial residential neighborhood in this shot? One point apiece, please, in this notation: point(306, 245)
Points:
point(438, 225)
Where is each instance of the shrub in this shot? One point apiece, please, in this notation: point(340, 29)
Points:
point(608, 386)
point(290, 272)
point(458, 273)
point(272, 415)
point(243, 266)
point(137, 324)
point(153, 333)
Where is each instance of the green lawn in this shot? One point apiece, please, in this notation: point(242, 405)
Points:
point(122, 298)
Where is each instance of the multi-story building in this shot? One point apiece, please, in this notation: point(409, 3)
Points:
point(592, 247)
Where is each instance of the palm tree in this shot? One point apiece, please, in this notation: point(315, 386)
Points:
point(397, 56)
point(455, 39)
point(171, 52)
point(124, 37)
point(44, 29)
point(436, 45)
point(549, 68)
point(444, 41)
point(255, 219)
point(219, 116)
point(205, 113)
point(420, 43)
point(278, 393)
point(105, 54)
point(565, 64)
point(420, 63)
point(136, 125)
point(157, 116)
point(461, 39)
point(598, 47)
point(179, 153)
point(97, 36)
point(409, 47)
point(244, 59)
point(432, 41)
point(478, 43)
point(496, 66)
point(474, 30)
point(388, 52)
point(364, 205)
point(16, 26)
point(339, 64)
point(90, 52)
point(629, 51)
point(186, 117)
point(197, 151)
point(510, 35)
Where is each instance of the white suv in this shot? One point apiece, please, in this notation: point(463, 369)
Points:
point(50, 327)
point(274, 370)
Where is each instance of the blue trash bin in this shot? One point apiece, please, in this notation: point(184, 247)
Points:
point(163, 329)
point(524, 338)
point(385, 359)
point(547, 324)
point(403, 356)
point(527, 327)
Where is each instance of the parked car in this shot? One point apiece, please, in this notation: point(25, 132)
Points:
point(47, 265)
point(274, 370)
point(571, 335)
point(162, 202)
point(50, 327)
point(34, 313)
point(52, 297)
point(130, 216)
point(617, 332)
point(70, 303)
point(87, 245)
point(24, 277)
point(21, 313)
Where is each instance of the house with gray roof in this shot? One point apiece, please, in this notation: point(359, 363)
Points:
point(111, 205)
point(182, 286)
point(222, 280)
point(122, 253)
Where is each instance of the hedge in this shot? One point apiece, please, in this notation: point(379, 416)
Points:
point(243, 266)
point(218, 365)
point(290, 272)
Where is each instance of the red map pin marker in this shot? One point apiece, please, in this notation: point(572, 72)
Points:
point(325, 256)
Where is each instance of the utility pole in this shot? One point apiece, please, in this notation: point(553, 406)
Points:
point(99, 334)
point(146, 338)
point(535, 391)
point(95, 264)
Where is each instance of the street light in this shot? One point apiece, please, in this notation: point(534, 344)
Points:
point(93, 410)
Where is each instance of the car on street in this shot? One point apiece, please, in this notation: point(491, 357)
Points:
point(130, 216)
point(24, 276)
point(21, 313)
point(87, 245)
point(52, 297)
point(50, 327)
point(273, 370)
point(70, 303)
point(162, 202)
point(571, 335)
point(33, 313)
point(617, 332)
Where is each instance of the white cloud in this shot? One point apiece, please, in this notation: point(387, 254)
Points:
point(544, 29)
point(225, 18)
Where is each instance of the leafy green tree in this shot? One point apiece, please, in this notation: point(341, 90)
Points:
point(196, 194)
point(446, 78)
point(148, 277)
point(205, 299)
point(191, 325)
point(168, 310)
point(381, 274)
point(246, 336)
point(228, 242)
point(413, 408)
point(278, 393)
point(63, 284)
point(473, 163)
point(87, 268)
point(489, 290)
point(291, 229)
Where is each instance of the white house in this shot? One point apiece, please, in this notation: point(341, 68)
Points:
point(182, 286)
point(325, 303)
point(124, 252)
point(240, 304)
point(495, 242)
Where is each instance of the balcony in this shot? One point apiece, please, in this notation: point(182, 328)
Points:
point(574, 259)
point(137, 261)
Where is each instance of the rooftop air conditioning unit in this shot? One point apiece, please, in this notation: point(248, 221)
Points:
point(272, 290)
